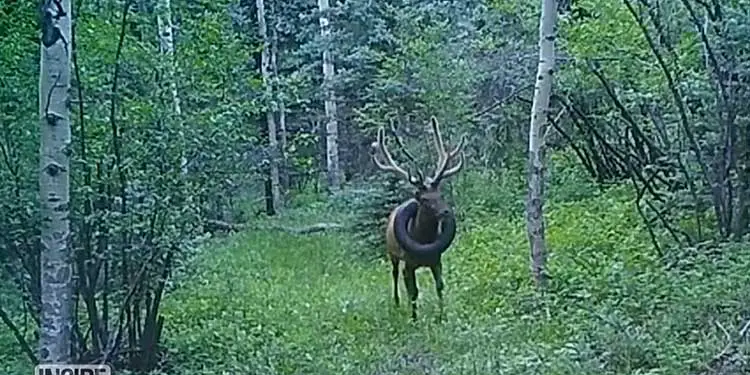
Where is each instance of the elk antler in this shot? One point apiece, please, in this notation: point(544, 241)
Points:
point(390, 163)
point(446, 157)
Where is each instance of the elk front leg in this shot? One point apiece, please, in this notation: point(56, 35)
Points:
point(437, 275)
point(410, 280)
point(394, 272)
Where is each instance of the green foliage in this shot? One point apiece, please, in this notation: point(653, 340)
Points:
point(369, 203)
point(646, 69)
point(608, 35)
point(131, 203)
point(474, 206)
point(485, 196)
point(567, 180)
point(12, 360)
point(404, 87)
point(269, 302)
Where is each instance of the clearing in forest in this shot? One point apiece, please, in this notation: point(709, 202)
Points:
point(267, 302)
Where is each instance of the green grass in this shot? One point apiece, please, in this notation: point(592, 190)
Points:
point(12, 359)
point(273, 303)
point(266, 302)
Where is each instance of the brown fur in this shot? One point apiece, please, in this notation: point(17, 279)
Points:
point(424, 226)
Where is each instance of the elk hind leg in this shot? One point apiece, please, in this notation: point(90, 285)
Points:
point(410, 280)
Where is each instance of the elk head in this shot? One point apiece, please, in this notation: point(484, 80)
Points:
point(424, 226)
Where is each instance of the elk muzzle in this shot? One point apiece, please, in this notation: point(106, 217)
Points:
point(410, 245)
point(443, 213)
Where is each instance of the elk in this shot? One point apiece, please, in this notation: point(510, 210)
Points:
point(422, 228)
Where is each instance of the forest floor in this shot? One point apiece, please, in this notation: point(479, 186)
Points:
point(269, 302)
point(274, 303)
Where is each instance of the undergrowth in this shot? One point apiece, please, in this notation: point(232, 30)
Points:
point(271, 303)
point(267, 302)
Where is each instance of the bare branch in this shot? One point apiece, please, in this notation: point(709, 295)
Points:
point(553, 121)
point(219, 225)
point(18, 335)
point(718, 360)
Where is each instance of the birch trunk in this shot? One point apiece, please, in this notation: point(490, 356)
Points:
point(54, 183)
point(272, 132)
point(280, 108)
point(539, 111)
point(166, 48)
point(332, 131)
point(275, 66)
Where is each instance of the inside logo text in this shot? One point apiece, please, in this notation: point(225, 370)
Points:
point(72, 370)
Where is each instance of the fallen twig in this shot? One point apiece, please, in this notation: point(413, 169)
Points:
point(218, 225)
point(718, 360)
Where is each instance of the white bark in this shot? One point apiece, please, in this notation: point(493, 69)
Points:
point(166, 48)
point(54, 183)
point(273, 142)
point(279, 108)
point(332, 131)
point(275, 67)
point(540, 109)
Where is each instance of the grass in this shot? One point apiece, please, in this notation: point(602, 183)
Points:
point(273, 303)
point(266, 302)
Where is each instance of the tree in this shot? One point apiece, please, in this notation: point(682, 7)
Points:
point(54, 183)
point(332, 129)
point(539, 114)
point(279, 100)
point(166, 47)
point(273, 142)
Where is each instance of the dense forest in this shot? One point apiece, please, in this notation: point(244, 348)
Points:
point(206, 187)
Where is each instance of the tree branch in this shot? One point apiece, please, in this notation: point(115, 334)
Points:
point(18, 335)
point(218, 225)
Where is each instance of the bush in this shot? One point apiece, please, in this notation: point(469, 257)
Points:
point(369, 203)
point(270, 302)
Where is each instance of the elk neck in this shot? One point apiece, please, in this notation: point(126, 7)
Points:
point(424, 227)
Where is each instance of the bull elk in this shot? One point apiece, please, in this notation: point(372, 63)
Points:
point(422, 228)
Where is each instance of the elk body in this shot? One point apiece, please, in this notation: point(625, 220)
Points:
point(420, 229)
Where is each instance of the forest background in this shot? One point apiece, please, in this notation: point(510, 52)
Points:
point(192, 118)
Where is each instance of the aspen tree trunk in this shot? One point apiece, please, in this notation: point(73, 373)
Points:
point(54, 183)
point(539, 111)
point(272, 133)
point(332, 131)
point(280, 108)
point(166, 48)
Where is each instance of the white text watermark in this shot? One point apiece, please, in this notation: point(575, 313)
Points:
point(72, 370)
